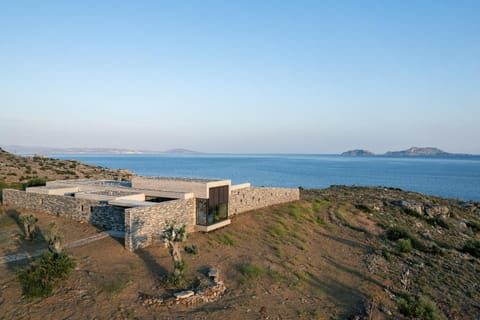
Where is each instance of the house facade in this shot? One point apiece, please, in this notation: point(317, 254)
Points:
point(139, 209)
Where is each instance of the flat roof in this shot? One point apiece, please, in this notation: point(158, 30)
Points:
point(203, 180)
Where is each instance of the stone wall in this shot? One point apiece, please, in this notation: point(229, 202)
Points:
point(252, 198)
point(99, 214)
point(144, 224)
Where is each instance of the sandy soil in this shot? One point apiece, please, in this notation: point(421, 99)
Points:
point(309, 274)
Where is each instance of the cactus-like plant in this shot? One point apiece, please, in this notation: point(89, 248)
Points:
point(54, 238)
point(172, 236)
point(29, 222)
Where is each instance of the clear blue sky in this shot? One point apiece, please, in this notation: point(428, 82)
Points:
point(241, 76)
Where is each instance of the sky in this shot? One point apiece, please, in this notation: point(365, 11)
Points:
point(241, 76)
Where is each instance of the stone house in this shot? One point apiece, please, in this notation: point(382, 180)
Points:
point(139, 209)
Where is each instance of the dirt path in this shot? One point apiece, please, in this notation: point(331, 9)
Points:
point(73, 244)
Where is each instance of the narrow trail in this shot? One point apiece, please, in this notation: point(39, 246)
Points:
point(73, 244)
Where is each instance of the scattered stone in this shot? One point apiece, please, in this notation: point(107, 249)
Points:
point(183, 294)
point(213, 274)
point(385, 310)
point(204, 293)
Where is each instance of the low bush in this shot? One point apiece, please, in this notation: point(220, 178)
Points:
point(363, 208)
point(193, 249)
point(472, 247)
point(412, 213)
point(475, 226)
point(438, 221)
point(251, 271)
point(404, 245)
point(39, 278)
point(35, 182)
point(395, 233)
point(418, 307)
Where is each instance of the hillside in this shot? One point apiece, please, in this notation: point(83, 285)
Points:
point(16, 171)
point(339, 253)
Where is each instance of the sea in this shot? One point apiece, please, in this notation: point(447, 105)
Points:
point(449, 177)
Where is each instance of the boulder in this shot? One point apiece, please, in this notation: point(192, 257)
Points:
point(413, 206)
point(434, 211)
point(183, 294)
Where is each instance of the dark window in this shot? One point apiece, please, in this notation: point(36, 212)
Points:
point(202, 205)
point(214, 209)
point(217, 204)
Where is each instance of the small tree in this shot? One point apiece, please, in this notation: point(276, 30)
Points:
point(54, 238)
point(29, 222)
point(173, 235)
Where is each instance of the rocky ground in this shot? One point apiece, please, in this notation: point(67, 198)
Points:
point(339, 253)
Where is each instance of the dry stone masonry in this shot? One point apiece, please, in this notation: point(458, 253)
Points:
point(141, 209)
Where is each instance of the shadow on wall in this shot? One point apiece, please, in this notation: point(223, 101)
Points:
point(108, 217)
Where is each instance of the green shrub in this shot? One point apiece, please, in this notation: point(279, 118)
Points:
point(475, 226)
point(180, 266)
point(472, 247)
point(395, 233)
point(176, 279)
point(438, 221)
point(404, 245)
point(35, 182)
point(39, 278)
point(193, 249)
point(251, 271)
point(412, 213)
point(418, 307)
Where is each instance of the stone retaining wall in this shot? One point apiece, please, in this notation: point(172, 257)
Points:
point(144, 224)
point(252, 198)
point(94, 212)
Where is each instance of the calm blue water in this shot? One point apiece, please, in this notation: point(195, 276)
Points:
point(446, 177)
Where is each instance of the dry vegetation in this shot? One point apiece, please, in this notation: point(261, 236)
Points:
point(333, 255)
point(17, 171)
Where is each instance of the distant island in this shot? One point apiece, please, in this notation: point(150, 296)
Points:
point(50, 150)
point(410, 152)
point(415, 151)
point(358, 153)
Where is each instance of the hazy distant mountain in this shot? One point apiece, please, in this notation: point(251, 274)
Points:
point(181, 151)
point(358, 153)
point(416, 151)
point(50, 150)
